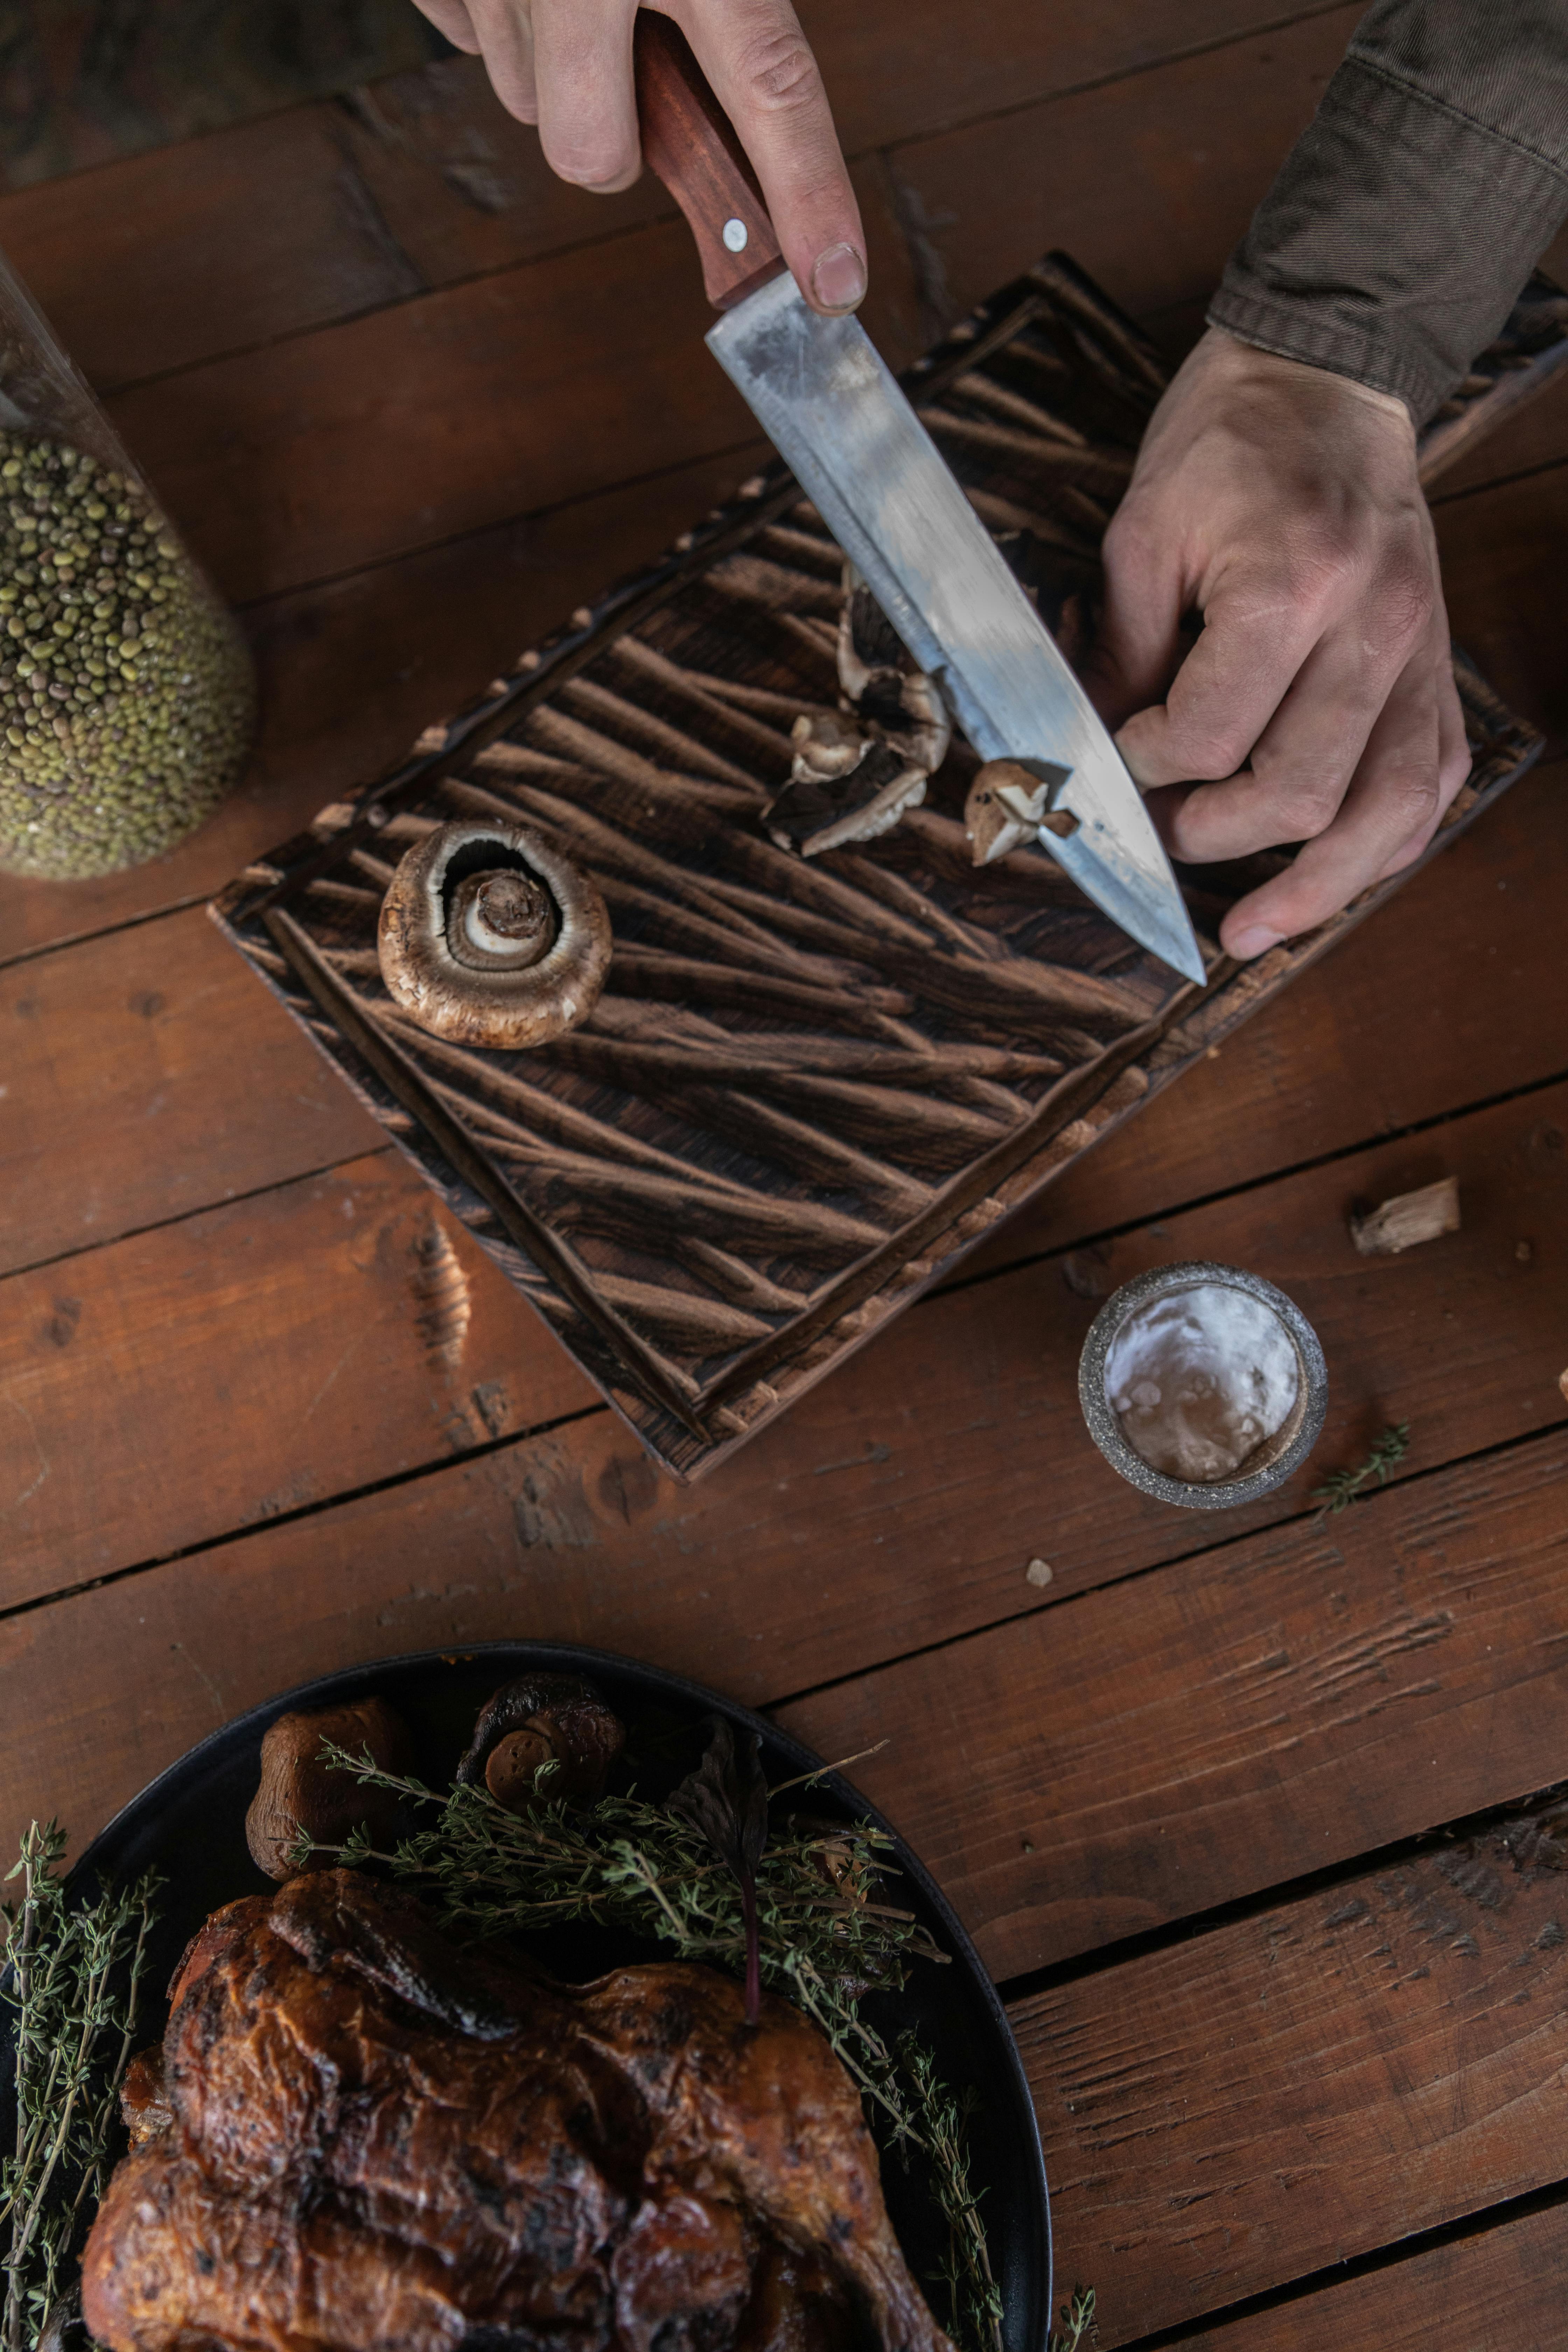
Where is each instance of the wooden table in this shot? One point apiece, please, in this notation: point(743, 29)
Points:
point(1238, 1809)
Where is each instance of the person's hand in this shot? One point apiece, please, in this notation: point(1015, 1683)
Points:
point(567, 66)
point(1318, 705)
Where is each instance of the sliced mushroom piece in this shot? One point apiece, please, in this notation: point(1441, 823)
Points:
point(893, 701)
point(868, 645)
point(544, 1720)
point(1009, 805)
point(855, 774)
point(813, 813)
point(299, 1791)
point(489, 936)
point(826, 744)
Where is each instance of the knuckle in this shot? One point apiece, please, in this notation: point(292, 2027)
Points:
point(1411, 799)
point(1403, 602)
point(779, 71)
point(1308, 805)
point(1207, 752)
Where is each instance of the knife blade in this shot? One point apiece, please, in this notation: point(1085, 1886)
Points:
point(832, 408)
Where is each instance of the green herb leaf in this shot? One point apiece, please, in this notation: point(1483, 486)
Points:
point(1341, 1488)
point(75, 1993)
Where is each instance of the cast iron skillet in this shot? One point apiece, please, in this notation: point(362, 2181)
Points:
point(189, 1823)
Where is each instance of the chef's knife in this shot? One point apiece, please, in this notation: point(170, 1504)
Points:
point(857, 450)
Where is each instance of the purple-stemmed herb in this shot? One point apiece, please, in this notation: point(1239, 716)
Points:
point(726, 1802)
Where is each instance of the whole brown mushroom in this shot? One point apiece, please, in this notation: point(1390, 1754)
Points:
point(300, 1791)
point(490, 935)
point(544, 1720)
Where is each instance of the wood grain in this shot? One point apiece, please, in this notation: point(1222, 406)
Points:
point(386, 433)
point(254, 1359)
point(126, 1103)
point(425, 179)
point(1500, 546)
point(1433, 1004)
point(1255, 2104)
point(499, 398)
point(689, 143)
point(1263, 1710)
point(1148, 188)
point(947, 1456)
point(1477, 2293)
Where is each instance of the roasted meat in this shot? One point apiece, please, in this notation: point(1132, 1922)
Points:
point(359, 2137)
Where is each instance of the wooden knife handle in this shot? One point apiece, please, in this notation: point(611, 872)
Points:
point(688, 140)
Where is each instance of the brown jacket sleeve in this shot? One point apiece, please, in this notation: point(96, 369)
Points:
point(1407, 217)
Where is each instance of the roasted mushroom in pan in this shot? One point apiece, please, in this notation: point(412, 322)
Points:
point(299, 1791)
point(858, 769)
point(490, 935)
point(544, 1720)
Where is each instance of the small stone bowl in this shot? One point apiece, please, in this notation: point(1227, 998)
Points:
point(1273, 1459)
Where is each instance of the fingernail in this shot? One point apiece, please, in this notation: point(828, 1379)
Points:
point(838, 280)
point(1248, 944)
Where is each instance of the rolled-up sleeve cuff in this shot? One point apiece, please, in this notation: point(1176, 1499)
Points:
point(1394, 241)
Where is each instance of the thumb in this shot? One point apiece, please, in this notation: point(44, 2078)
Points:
point(1138, 645)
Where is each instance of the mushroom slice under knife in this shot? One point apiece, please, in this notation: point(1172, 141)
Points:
point(1008, 806)
point(489, 936)
point(857, 770)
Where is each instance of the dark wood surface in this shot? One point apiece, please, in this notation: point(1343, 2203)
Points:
point(246, 1433)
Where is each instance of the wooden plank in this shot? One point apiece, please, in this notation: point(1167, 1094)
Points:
point(387, 433)
point(352, 671)
point(254, 1359)
point(1251, 2106)
point(1496, 2285)
point(425, 179)
point(1441, 998)
point(213, 245)
point(1502, 568)
point(507, 394)
point(1438, 996)
point(1263, 1710)
point(127, 1103)
point(1148, 185)
point(946, 1458)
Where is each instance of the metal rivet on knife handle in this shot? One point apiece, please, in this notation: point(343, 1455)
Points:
point(688, 140)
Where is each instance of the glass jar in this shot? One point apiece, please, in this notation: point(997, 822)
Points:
point(127, 697)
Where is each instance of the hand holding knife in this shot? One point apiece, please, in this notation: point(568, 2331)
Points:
point(829, 404)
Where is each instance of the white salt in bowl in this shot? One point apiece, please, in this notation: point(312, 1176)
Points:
point(1204, 1385)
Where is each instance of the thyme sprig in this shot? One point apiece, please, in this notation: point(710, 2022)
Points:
point(1341, 1488)
point(1078, 2322)
point(75, 1992)
point(826, 1935)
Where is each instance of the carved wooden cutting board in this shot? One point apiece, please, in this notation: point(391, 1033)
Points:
point(810, 1086)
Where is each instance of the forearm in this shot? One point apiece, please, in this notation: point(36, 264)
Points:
point(1406, 218)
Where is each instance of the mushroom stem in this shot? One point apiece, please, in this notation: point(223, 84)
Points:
point(504, 919)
